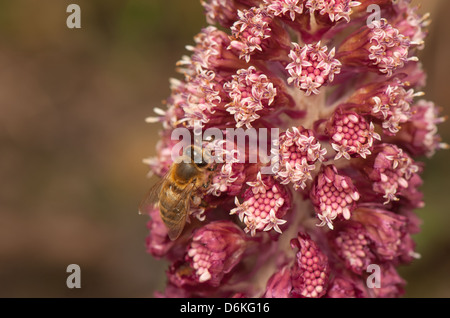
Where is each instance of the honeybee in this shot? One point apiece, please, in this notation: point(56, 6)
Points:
point(173, 193)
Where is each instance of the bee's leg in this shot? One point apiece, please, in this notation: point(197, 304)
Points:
point(207, 183)
point(203, 204)
point(208, 180)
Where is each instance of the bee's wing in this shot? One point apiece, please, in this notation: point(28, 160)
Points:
point(181, 210)
point(152, 195)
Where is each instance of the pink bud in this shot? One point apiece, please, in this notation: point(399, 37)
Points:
point(215, 250)
point(310, 272)
point(333, 195)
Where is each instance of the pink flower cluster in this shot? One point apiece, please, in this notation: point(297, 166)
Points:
point(345, 182)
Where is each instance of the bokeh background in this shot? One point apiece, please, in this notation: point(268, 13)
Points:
point(73, 136)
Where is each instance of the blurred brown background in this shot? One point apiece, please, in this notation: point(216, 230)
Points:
point(72, 137)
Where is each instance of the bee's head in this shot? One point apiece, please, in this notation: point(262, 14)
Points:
point(197, 156)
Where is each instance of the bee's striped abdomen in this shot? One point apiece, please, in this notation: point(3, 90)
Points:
point(171, 206)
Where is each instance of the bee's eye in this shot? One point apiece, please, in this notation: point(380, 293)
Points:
point(202, 164)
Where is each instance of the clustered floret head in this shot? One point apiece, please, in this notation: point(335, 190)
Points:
point(340, 189)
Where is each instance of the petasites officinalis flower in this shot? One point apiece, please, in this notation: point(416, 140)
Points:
point(340, 96)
